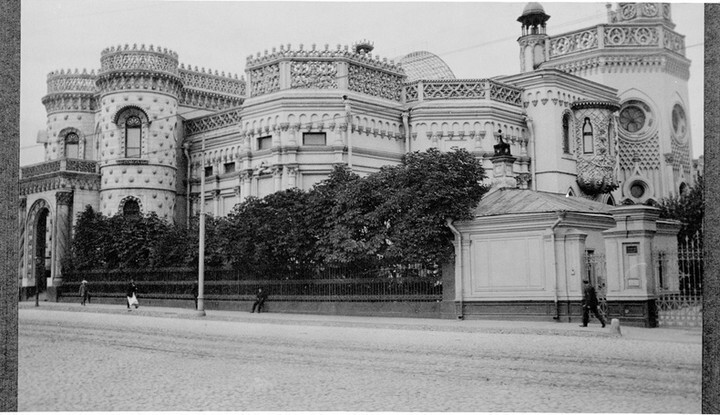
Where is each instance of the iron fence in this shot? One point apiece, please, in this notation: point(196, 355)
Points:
point(400, 283)
point(679, 284)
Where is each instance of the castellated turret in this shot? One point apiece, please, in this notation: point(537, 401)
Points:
point(138, 130)
point(70, 104)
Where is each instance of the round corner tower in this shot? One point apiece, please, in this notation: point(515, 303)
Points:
point(137, 122)
point(70, 104)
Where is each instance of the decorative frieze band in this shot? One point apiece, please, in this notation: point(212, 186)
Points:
point(213, 122)
point(463, 89)
point(212, 82)
point(62, 81)
point(58, 102)
point(55, 166)
point(614, 36)
point(139, 58)
point(374, 82)
point(62, 180)
point(313, 74)
point(344, 54)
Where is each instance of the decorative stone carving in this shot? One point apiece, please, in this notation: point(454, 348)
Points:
point(213, 122)
point(313, 74)
point(209, 82)
point(74, 101)
point(264, 80)
point(523, 180)
point(632, 36)
point(574, 42)
point(121, 59)
point(596, 166)
point(374, 82)
point(64, 198)
point(61, 81)
point(451, 89)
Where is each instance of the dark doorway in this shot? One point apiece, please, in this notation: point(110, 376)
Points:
point(42, 261)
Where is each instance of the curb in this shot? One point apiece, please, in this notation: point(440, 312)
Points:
point(465, 326)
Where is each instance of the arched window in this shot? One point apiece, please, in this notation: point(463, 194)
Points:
point(72, 146)
point(131, 209)
point(588, 140)
point(566, 133)
point(133, 136)
point(684, 190)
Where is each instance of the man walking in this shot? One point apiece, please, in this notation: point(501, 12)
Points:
point(590, 303)
point(84, 292)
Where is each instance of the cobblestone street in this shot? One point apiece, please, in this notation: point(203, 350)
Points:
point(71, 361)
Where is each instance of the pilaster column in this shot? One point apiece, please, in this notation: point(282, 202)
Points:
point(465, 267)
point(216, 202)
point(246, 177)
point(277, 177)
point(61, 237)
point(291, 172)
point(22, 258)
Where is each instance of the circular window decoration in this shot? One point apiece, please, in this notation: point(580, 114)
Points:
point(679, 124)
point(637, 190)
point(632, 119)
point(635, 120)
point(628, 11)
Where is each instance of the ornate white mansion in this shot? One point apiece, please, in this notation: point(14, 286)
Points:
point(599, 112)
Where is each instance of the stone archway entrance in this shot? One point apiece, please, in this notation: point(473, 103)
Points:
point(38, 250)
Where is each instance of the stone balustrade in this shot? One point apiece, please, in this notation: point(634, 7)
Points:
point(462, 89)
point(617, 36)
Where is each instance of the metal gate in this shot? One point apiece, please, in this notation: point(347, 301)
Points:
point(679, 282)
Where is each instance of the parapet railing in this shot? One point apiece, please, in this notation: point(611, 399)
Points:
point(617, 36)
point(429, 90)
point(54, 166)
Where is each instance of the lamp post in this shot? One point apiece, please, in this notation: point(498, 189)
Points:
point(201, 254)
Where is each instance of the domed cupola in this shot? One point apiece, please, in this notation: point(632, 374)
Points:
point(533, 19)
point(533, 41)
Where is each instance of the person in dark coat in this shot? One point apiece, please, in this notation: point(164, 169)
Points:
point(195, 293)
point(131, 290)
point(590, 303)
point(84, 292)
point(259, 300)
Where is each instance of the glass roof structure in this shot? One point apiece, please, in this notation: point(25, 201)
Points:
point(425, 65)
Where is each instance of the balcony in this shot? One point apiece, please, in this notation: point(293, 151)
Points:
point(56, 166)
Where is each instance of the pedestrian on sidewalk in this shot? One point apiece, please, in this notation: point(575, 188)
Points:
point(195, 293)
point(260, 298)
point(84, 292)
point(590, 303)
point(132, 295)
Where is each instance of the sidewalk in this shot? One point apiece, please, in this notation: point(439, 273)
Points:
point(550, 328)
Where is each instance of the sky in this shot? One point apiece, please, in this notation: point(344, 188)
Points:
point(476, 39)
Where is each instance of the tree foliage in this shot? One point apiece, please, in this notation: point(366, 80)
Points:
point(688, 208)
point(394, 216)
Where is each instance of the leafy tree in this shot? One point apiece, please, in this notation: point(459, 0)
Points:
point(89, 247)
point(392, 217)
point(269, 236)
point(398, 214)
point(689, 208)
